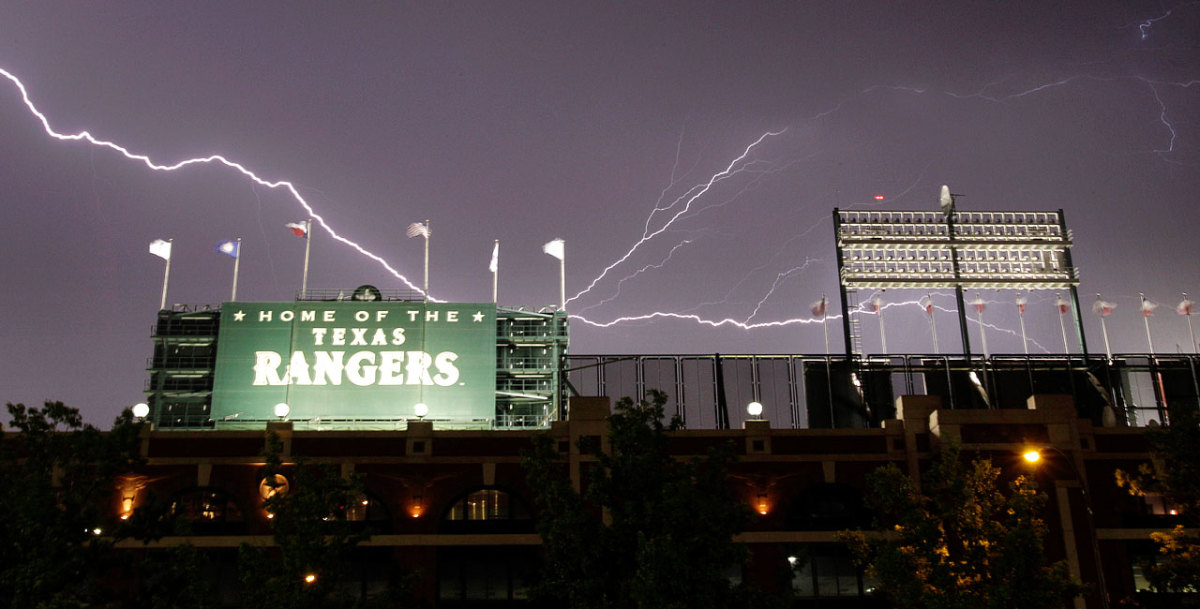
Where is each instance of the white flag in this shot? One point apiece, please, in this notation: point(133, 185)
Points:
point(161, 248)
point(495, 263)
point(418, 229)
point(556, 248)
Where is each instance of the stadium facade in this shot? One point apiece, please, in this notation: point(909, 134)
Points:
point(433, 404)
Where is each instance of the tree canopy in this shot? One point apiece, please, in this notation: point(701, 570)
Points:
point(961, 541)
point(647, 530)
point(1174, 475)
point(55, 521)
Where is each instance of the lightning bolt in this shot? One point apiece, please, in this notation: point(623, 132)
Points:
point(1144, 26)
point(715, 323)
point(735, 167)
point(214, 159)
point(778, 278)
point(636, 273)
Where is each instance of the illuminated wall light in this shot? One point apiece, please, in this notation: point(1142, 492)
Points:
point(417, 507)
point(762, 505)
point(310, 578)
point(126, 507)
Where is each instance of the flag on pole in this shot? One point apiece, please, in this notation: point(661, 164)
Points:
point(495, 263)
point(1103, 308)
point(1148, 307)
point(161, 248)
point(1062, 304)
point(229, 248)
point(300, 229)
point(927, 304)
point(1185, 307)
point(818, 307)
point(876, 303)
point(556, 248)
point(1021, 302)
point(418, 229)
point(979, 304)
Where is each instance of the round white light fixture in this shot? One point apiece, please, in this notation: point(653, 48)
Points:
point(282, 409)
point(140, 410)
point(754, 409)
point(420, 410)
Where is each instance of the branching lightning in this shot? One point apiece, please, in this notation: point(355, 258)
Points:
point(648, 267)
point(145, 159)
point(735, 167)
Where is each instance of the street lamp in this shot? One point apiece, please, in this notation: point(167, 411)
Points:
point(140, 410)
point(754, 409)
point(282, 410)
point(1033, 456)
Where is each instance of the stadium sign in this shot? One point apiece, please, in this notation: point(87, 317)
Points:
point(354, 360)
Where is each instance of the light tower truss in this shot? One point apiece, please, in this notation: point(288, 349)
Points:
point(995, 250)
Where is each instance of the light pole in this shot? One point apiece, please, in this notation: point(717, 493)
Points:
point(1033, 456)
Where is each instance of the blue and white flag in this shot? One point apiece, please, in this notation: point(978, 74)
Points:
point(229, 248)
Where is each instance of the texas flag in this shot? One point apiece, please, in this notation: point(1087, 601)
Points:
point(819, 307)
point(1062, 304)
point(300, 229)
point(927, 304)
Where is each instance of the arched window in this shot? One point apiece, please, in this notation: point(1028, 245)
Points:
point(209, 510)
point(487, 510)
point(370, 510)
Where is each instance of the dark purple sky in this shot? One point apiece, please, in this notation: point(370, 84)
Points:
point(529, 121)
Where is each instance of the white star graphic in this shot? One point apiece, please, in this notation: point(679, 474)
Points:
point(477, 317)
point(239, 315)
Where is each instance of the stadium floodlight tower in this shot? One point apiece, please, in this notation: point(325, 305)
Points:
point(926, 250)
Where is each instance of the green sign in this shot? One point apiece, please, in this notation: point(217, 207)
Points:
point(354, 360)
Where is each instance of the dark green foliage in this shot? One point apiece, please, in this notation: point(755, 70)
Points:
point(648, 530)
point(962, 543)
point(312, 537)
point(177, 577)
point(1174, 474)
point(60, 480)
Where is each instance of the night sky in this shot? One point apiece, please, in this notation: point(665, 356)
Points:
point(527, 121)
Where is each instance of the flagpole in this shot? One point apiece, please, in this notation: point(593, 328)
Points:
point(166, 275)
point(1021, 317)
point(562, 281)
point(1104, 330)
point(825, 320)
point(1191, 332)
point(1146, 319)
point(307, 247)
point(933, 325)
point(1062, 324)
point(427, 232)
point(495, 271)
point(982, 330)
point(882, 334)
point(236, 261)
point(928, 302)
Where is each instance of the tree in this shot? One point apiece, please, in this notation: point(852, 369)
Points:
point(962, 543)
point(314, 541)
point(1173, 474)
point(647, 531)
point(55, 525)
